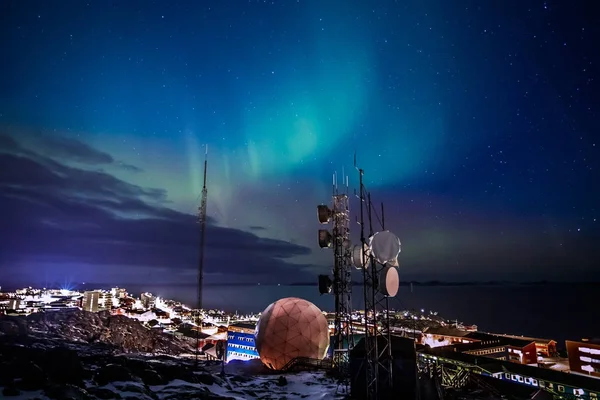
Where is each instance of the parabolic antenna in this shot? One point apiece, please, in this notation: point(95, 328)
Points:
point(360, 256)
point(389, 281)
point(324, 214)
point(325, 239)
point(384, 246)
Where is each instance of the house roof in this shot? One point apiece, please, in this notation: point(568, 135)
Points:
point(446, 331)
point(531, 339)
point(491, 339)
point(244, 325)
point(217, 336)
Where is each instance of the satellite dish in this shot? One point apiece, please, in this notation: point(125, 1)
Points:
point(360, 256)
point(325, 238)
point(385, 246)
point(324, 214)
point(389, 281)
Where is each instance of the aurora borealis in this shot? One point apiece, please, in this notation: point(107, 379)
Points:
point(475, 124)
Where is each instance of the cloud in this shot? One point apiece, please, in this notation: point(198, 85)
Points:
point(129, 167)
point(8, 143)
point(65, 149)
point(257, 228)
point(54, 213)
point(75, 150)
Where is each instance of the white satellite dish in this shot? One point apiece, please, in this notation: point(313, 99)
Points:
point(385, 247)
point(389, 281)
point(360, 256)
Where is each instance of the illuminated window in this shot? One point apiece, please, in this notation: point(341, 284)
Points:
point(561, 388)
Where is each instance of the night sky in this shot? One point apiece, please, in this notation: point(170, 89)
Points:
point(476, 124)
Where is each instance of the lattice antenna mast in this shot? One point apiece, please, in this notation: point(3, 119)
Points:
point(201, 247)
point(378, 351)
point(341, 285)
point(342, 271)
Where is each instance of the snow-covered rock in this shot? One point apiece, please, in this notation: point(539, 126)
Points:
point(122, 333)
point(46, 364)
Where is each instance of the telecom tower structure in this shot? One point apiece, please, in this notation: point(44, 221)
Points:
point(341, 285)
point(379, 269)
point(201, 248)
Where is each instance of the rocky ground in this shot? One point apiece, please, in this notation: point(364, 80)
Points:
point(89, 356)
point(121, 333)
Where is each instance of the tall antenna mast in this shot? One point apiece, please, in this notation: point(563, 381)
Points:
point(341, 285)
point(202, 220)
point(378, 259)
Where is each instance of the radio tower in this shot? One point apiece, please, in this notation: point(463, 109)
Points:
point(202, 220)
point(341, 285)
point(379, 260)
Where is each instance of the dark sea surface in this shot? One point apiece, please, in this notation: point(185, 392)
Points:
point(556, 311)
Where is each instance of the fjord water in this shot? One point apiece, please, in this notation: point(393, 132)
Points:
point(548, 311)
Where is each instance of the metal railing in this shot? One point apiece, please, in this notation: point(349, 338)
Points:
point(300, 363)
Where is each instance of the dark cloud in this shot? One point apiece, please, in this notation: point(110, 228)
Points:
point(51, 177)
point(57, 213)
point(256, 228)
point(129, 167)
point(8, 143)
point(61, 148)
point(75, 150)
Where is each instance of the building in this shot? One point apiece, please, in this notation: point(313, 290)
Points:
point(91, 301)
point(584, 357)
point(14, 304)
point(557, 383)
point(147, 300)
point(513, 349)
point(544, 347)
point(445, 336)
point(240, 342)
point(119, 293)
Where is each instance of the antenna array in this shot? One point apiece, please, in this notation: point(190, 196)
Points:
point(341, 284)
point(377, 258)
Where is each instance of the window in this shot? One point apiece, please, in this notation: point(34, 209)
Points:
point(561, 388)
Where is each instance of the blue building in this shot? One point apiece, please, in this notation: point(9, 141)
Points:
point(240, 342)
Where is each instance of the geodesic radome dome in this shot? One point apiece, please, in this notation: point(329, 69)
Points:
point(291, 328)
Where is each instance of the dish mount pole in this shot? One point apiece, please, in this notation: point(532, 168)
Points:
point(378, 350)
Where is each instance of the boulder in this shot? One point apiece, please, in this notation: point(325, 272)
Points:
point(112, 373)
point(67, 391)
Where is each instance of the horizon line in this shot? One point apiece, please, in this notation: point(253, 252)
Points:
point(314, 284)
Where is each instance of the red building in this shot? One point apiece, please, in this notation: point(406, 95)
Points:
point(544, 347)
point(584, 357)
point(517, 350)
